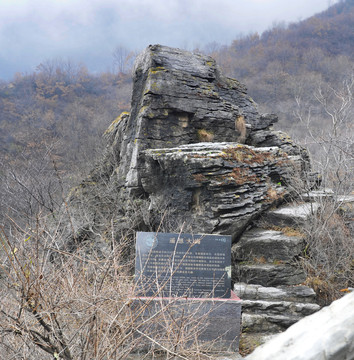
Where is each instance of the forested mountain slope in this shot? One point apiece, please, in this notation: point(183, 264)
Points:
point(290, 63)
point(51, 124)
point(51, 120)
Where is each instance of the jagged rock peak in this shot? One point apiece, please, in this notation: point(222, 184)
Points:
point(195, 143)
point(183, 98)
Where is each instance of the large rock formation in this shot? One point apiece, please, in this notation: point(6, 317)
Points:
point(193, 143)
point(194, 155)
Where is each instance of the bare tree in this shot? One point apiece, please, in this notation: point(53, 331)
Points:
point(329, 133)
point(328, 258)
point(123, 59)
point(78, 306)
point(30, 189)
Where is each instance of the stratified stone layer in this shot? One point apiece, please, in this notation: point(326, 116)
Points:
point(193, 145)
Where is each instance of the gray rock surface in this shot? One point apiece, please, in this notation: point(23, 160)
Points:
point(269, 244)
point(273, 316)
point(195, 151)
point(300, 293)
point(266, 276)
point(267, 323)
point(220, 187)
point(269, 274)
point(325, 335)
point(279, 307)
point(194, 144)
point(291, 215)
point(316, 195)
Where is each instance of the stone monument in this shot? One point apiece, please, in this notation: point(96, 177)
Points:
point(183, 265)
point(184, 280)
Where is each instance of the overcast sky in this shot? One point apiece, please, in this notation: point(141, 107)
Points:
point(87, 31)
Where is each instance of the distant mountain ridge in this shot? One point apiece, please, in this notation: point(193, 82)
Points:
point(331, 30)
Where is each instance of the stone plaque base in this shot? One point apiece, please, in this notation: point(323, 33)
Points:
point(203, 324)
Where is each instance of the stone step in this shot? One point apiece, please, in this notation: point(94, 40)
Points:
point(270, 245)
point(286, 308)
point(317, 195)
point(254, 323)
point(273, 316)
point(327, 194)
point(300, 293)
point(291, 215)
point(268, 274)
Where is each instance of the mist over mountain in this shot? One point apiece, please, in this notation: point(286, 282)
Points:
point(32, 31)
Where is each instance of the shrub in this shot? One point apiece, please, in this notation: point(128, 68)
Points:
point(79, 305)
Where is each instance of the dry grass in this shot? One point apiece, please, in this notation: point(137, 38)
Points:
point(248, 343)
point(260, 260)
point(240, 126)
point(199, 178)
point(328, 260)
point(273, 195)
point(246, 155)
point(205, 135)
point(286, 230)
point(241, 176)
point(78, 305)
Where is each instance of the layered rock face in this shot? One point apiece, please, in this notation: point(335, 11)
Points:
point(195, 143)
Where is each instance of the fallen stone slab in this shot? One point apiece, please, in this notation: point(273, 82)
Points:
point(317, 195)
point(346, 199)
point(253, 323)
point(325, 335)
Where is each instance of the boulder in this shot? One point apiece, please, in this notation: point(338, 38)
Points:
point(279, 307)
point(195, 155)
point(216, 187)
point(291, 215)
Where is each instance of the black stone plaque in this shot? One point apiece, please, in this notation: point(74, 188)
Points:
point(209, 324)
point(183, 265)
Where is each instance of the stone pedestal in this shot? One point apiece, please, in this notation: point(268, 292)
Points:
point(203, 324)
